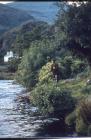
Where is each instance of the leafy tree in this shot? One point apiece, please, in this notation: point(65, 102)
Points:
point(75, 22)
point(33, 59)
point(27, 34)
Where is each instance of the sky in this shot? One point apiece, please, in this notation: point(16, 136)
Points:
point(5, 2)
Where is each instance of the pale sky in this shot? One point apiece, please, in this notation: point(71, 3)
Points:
point(5, 2)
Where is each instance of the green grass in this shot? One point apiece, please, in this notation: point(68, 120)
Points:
point(77, 86)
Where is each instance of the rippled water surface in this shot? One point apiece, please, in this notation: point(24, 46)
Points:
point(17, 119)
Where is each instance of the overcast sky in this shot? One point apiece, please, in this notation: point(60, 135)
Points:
point(5, 2)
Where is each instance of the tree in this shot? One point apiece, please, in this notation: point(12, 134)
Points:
point(75, 22)
point(33, 59)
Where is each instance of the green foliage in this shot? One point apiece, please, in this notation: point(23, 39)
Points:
point(75, 22)
point(13, 64)
point(81, 127)
point(86, 89)
point(84, 110)
point(71, 66)
point(33, 59)
point(82, 117)
point(45, 73)
point(78, 66)
point(26, 73)
point(34, 70)
point(28, 33)
point(68, 67)
point(71, 118)
point(51, 99)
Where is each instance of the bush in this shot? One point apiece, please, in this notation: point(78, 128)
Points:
point(78, 66)
point(32, 61)
point(81, 127)
point(71, 66)
point(83, 116)
point(35, 58)
point(51, 99)
point(71, 118)
point(13, 64)
point(26, 74)
point(66, 67)
point(86, 90)
point(45, 73)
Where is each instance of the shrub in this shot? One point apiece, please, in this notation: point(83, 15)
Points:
point(83, 116)
point(26, 74)
point(84, 109)
point(13, 64)
point(81, 127)
point(71, 118)
point(71, 66)
point(32, 61)
point(51, 99)
point(45, 73)
point(78, 66)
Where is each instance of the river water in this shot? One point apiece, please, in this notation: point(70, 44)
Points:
point(18, 119)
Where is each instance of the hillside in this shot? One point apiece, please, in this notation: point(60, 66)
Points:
point(25, 34)
point(11, 17)
point(45, 11)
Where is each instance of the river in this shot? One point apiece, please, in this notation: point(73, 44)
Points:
point(18, 119)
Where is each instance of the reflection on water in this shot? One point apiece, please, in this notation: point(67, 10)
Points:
point(19, 119)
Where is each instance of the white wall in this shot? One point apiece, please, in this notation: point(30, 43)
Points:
point(7, 56)
point(5, 59)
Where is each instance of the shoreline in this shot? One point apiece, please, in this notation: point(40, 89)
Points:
point(7, 76)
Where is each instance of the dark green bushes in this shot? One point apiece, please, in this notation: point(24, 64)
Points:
point(33, 59)
point(81, 117)
point(51, 99)
point(13, 64)
point(71, 66)
point(70, 119)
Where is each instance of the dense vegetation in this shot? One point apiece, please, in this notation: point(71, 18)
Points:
point(64, 99)
point(21, 37)
point(68, 41)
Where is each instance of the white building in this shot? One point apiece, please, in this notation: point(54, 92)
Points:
point(8, 55)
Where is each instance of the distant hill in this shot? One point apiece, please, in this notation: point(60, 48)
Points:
point(11, 17)
point(16, 22)
point(25, 34)
point(45, 11)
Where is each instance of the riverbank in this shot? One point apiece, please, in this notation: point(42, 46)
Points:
point(77, 87)
point(20, 119)
point(6, 76)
